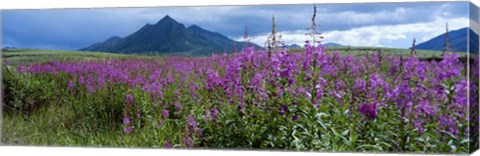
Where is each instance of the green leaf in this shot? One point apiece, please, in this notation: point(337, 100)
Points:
point(465, 141)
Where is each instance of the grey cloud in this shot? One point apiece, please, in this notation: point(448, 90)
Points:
point(77, 28)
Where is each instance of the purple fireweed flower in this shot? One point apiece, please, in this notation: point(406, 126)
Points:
point(302, 90)
point(369, 110)
point(395, 67)
point(193, 89)
point(214, 113)
point(402, 95)
point(21, 68)
point(188, 142)
point(101, 82)
point(178, 106)
point(375, 80)
point(234, 67)
point(128, 129)
point(171, 79)
point(420, 70)
point(448, 68)
point(81, 81)
point(448, 123)
point(208, 115)
point(292, 91)
point(307, 43)
point(460, 90)
point(238, 90)
point(90, 80)
point(282, 110)
point(193, 126)
point(360, 85)
point(165, 114)
point(408, 108)
point(467, 132)
point(419, 89)
point(231, 101)
point(306, 63)
point(424, 107)
point(167, 144)
point(319, 92)
point(241, 107)
point(213, 79)
point(349, 59)
point(256, 80)
point(294, 117)
point(439, 91)
point(355, 70)
point(419, 125)
point(291, 81)
point(410, 64)
point(126, 121)
point(154, 76)
point(328, 69)
point(70, 84)
point(129, 99)
point(339, 85)
point(90, 89)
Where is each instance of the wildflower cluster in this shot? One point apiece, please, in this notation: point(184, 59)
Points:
point(289, 100)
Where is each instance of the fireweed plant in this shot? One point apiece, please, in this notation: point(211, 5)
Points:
point(310, 100)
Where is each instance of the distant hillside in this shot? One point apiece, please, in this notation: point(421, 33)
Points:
point(293, 46)
point(9, 49)
point(458, 41)
point(474, 42)
point(332, 45)
point(167, 37)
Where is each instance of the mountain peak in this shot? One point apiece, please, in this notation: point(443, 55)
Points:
point(195, 28)
point(457, 38)
point(167, 19)
point(113, 39)
point(292, 46)
point(331, 44)
point(168, 36)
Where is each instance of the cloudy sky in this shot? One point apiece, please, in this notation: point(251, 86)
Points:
point(367, 24)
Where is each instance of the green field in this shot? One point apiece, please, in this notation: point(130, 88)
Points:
point(358, 51)
point(19, 56)
point(44, 110)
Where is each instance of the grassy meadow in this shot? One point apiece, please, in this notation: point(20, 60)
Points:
point(309, 99)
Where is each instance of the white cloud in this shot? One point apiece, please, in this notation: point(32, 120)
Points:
point(214, 17)
point(355, 18)
point(475, 26)
point(384, 35)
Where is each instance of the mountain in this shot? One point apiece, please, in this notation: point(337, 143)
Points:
point(168, 36)
point(457, 39)
point(105, 46)
point(9, 49)
point(292, 46)
point(332, 45)
point(474, 42)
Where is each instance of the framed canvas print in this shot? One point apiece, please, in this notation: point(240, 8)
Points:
point(382, 77)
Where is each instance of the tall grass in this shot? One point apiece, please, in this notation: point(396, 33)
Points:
point(311, 100)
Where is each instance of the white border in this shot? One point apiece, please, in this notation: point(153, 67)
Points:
point(58, 4)
point(88, 151)
point(51, 4)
